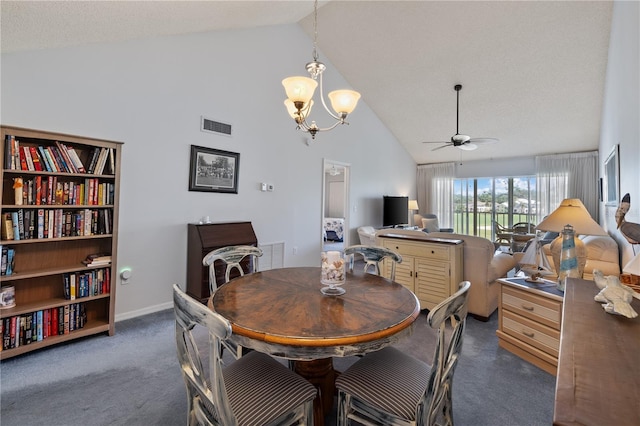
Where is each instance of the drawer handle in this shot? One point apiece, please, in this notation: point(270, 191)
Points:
point(528, 334)
point(528, 308)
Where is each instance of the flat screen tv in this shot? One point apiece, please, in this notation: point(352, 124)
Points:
point(395, 210)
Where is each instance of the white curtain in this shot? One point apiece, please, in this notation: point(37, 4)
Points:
point(563, 176)
point(435, 191)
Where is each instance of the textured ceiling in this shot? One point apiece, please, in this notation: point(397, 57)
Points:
point(532, 72)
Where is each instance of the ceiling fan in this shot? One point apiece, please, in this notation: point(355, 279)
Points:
point(464, 142)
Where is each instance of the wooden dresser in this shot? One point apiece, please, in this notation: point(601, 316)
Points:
point(529, 320)
point(599, 366)
point(431, 267)
point(201, 239)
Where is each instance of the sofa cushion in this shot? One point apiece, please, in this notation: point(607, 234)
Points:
point(430, 225)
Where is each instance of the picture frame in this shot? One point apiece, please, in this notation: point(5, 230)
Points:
point(213, 170)
point(612, 177)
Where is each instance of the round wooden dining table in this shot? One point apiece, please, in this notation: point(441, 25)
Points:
point(283, 313)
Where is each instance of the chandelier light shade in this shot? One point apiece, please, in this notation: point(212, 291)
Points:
point(300, 92)
point(299, 89)
point(344, 101)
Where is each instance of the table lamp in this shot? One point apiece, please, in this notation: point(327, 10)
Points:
point(571, 215)
point(413, 205)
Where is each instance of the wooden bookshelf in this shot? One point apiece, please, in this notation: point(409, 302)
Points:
point(73, 215)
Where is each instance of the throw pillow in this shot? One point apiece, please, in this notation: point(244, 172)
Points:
point(431, 225)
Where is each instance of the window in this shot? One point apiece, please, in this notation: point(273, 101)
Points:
point(481, 201)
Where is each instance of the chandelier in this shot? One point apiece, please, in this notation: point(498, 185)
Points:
point(300, 92)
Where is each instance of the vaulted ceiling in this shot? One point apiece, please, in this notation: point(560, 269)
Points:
point(532, 72)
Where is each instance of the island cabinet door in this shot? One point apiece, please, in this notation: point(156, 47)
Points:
point(432, 282)
point(405, 273)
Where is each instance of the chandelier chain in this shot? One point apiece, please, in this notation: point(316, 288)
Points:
point(315, 30)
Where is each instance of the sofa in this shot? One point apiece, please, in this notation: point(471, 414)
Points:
point(602, 253)
point(367, 235)
point(429, 223)
point(482, 267)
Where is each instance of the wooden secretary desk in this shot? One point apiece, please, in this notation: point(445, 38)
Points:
point(203, 238)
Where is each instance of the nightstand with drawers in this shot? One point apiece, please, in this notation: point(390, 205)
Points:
point(530, 316)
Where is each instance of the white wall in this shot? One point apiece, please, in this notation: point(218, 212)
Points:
point(621, 112)
point(150, 95)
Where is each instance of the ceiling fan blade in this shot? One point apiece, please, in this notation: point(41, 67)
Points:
point(483, 141)
point(468, 146)
point(440, 147)
point(436, 142)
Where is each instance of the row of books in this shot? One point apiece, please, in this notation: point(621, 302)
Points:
point(20, 330)
point(86, 284)
point(49, 190)
point(53, 158)
point(28, 224)
point(57, 157)
point(8, 260)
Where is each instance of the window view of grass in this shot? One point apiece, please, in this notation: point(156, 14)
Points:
point(480, 203)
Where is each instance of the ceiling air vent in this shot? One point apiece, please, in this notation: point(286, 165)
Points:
point(212, 126)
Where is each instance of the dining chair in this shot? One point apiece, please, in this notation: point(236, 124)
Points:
point(373, 257)
point(231, 256)
point(253, 390)
point(389, 387)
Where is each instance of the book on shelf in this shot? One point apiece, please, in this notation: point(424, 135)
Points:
point(71, 168)
point(75, 158)
point(3, 265)
point(23, 160)
point(11, 257)
point(93, 160)
point(16, 225)
point(45, 161)
point(7, 226)
point(60, 164)
point(98, 259)
point(35, 157)
point(29, 160)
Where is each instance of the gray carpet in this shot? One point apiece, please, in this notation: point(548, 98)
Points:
point(133, 379)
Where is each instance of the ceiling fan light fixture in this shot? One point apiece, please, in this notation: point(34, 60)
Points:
point(464, 142)
point(468, 147)
point(457, 138)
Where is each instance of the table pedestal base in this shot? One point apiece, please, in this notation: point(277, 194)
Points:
point(319, 373)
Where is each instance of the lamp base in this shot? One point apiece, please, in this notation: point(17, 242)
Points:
point(581, 253)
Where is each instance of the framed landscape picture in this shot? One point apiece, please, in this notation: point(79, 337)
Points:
point(213, 170)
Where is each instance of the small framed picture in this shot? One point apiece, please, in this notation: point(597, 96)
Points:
point(612, 177)
point(213, 170)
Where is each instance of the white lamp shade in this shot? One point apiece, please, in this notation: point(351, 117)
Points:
point(299, 89)
point(413, 205)
point(633, 267)
point(344, 101)
point(571, 212)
